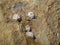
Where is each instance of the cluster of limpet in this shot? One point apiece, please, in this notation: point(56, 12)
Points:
point(29, 33)
point(18, 18)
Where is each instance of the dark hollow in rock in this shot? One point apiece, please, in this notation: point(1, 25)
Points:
point(25, 30)
point(34, 17)
point(30, 30)
point(59, 43)
point(19, 19)
point(58, 18)
point(34, 37)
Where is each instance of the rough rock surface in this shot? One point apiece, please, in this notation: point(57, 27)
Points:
point(45, 26)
